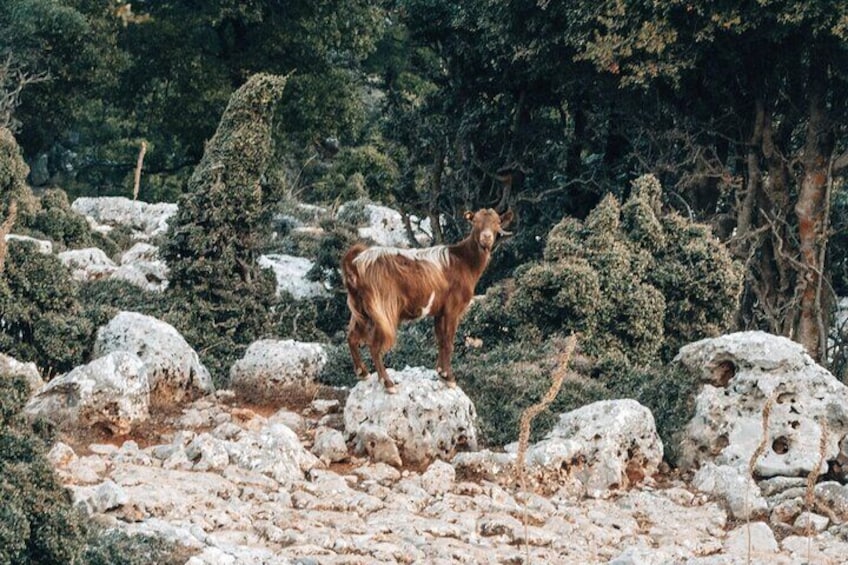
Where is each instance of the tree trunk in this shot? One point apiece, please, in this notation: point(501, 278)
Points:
point(812, 221)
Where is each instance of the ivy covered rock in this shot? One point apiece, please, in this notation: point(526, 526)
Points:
point(637, 283)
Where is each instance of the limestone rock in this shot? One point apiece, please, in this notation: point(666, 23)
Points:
point(43, 246)
point(755, 538)
point(11, 367)
point(107, 212)
point(272, 369)
point(385, 226)
point(110, 392)
point(743, 372)
point(329, 445)
point(616, 442)
point(291, 275)
point(141, 266)
point(173, 367)
point(738, 490)
point(425, 418)
point(89, 264)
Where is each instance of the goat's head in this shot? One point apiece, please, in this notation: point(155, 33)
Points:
point(487, 226)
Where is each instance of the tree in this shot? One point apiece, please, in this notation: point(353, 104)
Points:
point(756, 94)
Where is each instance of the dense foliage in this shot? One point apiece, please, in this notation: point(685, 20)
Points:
point(37, 522)
point(635, 282)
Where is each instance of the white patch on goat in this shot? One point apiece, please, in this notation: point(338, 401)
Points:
point(437, 255)
point(426, 310)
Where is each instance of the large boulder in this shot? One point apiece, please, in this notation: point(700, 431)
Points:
point(425, 419)
point(11, 367)
point(110, 393)
point(593, 450)
point(173, 367)
point(107, 212)
point(89, 264)
point(272, 369)
point(742, 374)
point(615, 443)
point(290, 273)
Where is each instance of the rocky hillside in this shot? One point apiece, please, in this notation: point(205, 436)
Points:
point(334, 475)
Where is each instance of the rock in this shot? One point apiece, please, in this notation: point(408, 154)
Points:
point(89, 264)
point(834, 497)
point(173, 367)
point(291, 275)
point(484, 464)
point(741, 372)
point(11, 367)
point(755, 538)
point(329, 445)
point(809, 521)
point(43, 246)
point(208, 452)
point(107, 212)
point(111, 392)
point(385, 226)
point(375, 441)
point(99, 498)
point(425, 418)
point(739, 491)
point(274, 369)
point(275, 451)
point(438, 478)
point(291, 419)
point(141, 266)
point(615, 442)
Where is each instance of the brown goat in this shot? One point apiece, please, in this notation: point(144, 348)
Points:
point(387, 285)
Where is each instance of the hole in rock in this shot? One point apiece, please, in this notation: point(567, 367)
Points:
point(723, 372)
point(780, 445)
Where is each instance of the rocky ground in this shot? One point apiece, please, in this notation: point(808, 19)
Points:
point(211, 478)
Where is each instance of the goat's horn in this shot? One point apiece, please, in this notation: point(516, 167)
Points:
point(504, 233)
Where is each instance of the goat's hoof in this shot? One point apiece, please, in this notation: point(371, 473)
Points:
point(391, 389)
point(451, 384)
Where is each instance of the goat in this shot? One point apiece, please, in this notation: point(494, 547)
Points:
point(388, 285)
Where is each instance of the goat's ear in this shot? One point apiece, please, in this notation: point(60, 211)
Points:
point(469, 216)
point(506, 218)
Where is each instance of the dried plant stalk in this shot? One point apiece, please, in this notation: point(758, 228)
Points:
point(527, 416)
point(138, 166)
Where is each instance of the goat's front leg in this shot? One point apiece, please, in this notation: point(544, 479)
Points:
point(377, 357)
point(446, 333)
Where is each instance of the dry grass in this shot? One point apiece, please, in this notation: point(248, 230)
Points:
point(527, 416)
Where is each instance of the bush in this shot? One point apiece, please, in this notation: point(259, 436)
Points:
point(114, 547)
point(44, 321)
point(629, 279)
point(37, 521)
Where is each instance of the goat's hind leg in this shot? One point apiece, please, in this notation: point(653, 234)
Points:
point(355, 339)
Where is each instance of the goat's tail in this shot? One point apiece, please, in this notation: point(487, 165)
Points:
point(369, 308)
point(350, 273)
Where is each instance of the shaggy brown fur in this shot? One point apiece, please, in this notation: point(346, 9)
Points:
point(386, 286)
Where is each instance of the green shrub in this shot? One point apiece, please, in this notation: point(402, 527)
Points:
point(116, 547)
point(629, 279)
point(37, 521)
point(44, 321)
